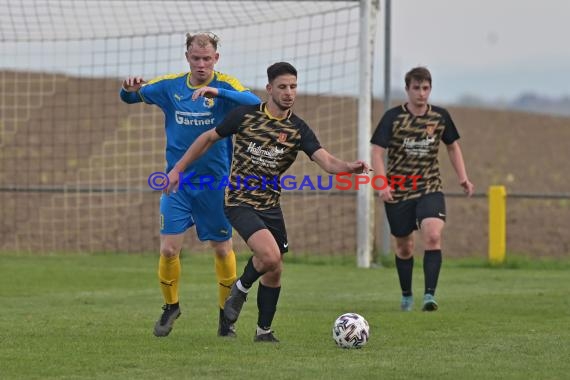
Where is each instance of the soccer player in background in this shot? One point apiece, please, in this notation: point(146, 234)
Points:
point(267, 139)
point(193, 102)
point(411, 133)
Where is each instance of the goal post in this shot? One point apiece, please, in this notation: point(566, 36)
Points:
point(75, 160)
point(365, 200)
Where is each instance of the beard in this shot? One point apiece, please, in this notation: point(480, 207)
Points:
point(282, 106)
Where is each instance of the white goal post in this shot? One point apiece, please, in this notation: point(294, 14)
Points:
point(75, 160)
point(365, 203)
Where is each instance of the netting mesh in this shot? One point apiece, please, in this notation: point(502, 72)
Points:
point(74, 159)
point(64, 20)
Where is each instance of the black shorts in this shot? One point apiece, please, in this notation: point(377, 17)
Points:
point(406, 216)
point(246, 220)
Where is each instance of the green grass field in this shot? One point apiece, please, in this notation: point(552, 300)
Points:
point(91, 316)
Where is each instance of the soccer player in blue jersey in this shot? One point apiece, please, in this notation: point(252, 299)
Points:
point(193, 102)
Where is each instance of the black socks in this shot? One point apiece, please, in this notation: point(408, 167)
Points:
point(405, 268)
point(250, 274)
point(267, 304)
point(432, 266)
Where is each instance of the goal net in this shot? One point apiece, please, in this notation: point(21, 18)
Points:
point(74, 159)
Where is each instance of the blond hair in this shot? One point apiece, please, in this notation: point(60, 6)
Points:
point(202, 39)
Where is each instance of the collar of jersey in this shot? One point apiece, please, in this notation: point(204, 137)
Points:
point(202, 85)
point(266, 111)
point(405, 108)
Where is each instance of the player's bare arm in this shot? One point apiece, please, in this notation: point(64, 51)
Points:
point(333, 165)
point(378, 153)
point(456, 158)
point(197, 149)
point(132, 84)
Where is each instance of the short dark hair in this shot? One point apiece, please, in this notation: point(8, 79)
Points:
point(419, 73)
point(280, 68)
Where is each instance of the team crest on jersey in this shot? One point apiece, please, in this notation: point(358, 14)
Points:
point(430, 128)
point(282, 137)
point(208, 102)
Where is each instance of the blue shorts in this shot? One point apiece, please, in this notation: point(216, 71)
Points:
point(205, 208)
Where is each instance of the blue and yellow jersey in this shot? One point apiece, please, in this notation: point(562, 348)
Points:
point(186, 119)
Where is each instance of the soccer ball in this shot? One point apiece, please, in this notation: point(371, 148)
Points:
point(350, 330)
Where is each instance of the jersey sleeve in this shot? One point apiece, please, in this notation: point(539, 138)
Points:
point(231, 123)
point(231, 89)
point(309, 141)
point(239, 97)
point(154, 92)
point(383, 132)
point(130, 97)
point(450, 134)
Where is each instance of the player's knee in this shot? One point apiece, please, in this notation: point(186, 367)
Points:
point(275, 268)
point(271, 261)
point(221, 251)
point(405, 254)
point(169, 250)
point(405, 250)
point(432, 239)
point(273, 278)
point(222, 248)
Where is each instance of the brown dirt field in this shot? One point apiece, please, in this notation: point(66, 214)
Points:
point(78, 136)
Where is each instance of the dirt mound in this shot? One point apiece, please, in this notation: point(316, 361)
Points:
point(90, 155)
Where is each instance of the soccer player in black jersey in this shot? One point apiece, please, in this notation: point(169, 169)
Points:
point(268, 137)
point(411, 134)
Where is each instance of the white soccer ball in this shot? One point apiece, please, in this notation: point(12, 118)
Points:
point(350, 330)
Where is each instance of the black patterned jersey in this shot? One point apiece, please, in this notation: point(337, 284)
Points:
point(264, 148)
point(413, 146)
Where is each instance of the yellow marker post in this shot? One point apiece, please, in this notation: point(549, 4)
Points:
point(497, 224)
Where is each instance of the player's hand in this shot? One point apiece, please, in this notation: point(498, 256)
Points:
point(386, 194)
point(207, 92)
point(132, 84)
point(358, 167)
point(468, 187)
point(173, 178)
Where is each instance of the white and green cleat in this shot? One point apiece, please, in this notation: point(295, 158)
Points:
point(429, 303)
point(407, 303)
